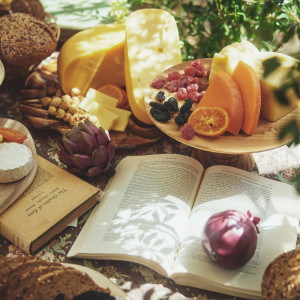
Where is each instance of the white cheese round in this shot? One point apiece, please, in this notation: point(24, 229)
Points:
point(16, 161)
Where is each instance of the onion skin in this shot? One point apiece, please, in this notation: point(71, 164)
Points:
point(230, 238)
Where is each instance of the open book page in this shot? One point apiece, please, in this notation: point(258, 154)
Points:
point(143, 211)
point(225, 188)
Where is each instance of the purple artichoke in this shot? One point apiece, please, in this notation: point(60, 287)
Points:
point(87, 150)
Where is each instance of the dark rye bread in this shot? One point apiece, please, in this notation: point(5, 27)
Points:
point(281, 279)
point(14, 274)
point(8, 264)
point(25, 40)
point(68, 282)
point(32, 7)
point(28, 280)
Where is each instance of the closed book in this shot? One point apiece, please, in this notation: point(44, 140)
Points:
point(53, 200)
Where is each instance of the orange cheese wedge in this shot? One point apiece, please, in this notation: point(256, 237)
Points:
point(248, 83)
point(223, 92)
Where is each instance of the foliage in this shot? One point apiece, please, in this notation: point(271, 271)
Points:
point(206, 26)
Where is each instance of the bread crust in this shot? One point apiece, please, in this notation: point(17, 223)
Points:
point(281, 279)
point(32, 7)
point(25, 40)
point(31, 277)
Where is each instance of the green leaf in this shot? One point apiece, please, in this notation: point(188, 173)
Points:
point(281, 96)
point(265, 32)
point(270, 65)
point(291, 129)
point(289, 33)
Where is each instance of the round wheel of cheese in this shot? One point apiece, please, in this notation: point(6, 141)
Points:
point(16, 161)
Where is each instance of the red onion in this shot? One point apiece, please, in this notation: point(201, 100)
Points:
point(230, 238)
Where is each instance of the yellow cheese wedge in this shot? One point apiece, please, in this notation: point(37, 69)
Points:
point(92, 57)
point(123, 115)
point(151, 46)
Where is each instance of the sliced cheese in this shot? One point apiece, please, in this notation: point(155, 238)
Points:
point(123, 115)
point(94, 98)
point(105, 117)
point(227, 59)
point(16, 161)
point(92, 57)
point(151, 46)
point(103, 107)
point(101, 98)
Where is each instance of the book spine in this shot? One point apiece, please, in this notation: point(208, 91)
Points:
point(14, 238)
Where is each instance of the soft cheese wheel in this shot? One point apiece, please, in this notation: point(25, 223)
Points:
point(92, 58)
point(151, 46)
point(16, 161)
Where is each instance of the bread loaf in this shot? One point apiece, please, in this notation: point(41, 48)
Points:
point(31, 7)
point(281, 279)
point(13, 276)
point(25, 40)
point(32, 278)
point(7, 264)
point(68, 282)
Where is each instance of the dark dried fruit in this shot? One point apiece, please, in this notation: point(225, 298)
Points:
point(160, 96)
point(186, 106)
point(182, 118)
point(160, 115)
point(172, 104)
point(159, 106)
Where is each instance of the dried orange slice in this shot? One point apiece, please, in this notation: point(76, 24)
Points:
point(113, 91)
point(209, 121)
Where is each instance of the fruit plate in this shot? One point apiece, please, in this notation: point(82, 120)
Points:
point(264, 138)
point(45, 76)
point(100, 280)
point(9, 192)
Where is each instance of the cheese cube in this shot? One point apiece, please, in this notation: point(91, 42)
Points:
point(271, 108)
point(93, 96)
point(105, 117)
point(151, 46)
point(92, 57)
point(123, 115)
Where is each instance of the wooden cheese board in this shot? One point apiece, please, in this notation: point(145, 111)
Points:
point(45, 77)
point(9, 192)
point(227, 148)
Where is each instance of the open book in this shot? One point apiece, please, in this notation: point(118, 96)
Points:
point(155, 207)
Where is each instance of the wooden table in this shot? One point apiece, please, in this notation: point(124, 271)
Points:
point(137, 281)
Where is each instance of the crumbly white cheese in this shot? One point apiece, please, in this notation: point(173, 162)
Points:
point(16, 161)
